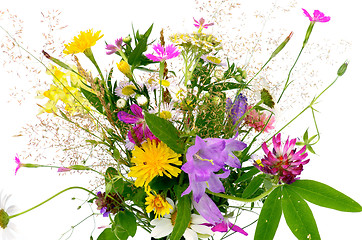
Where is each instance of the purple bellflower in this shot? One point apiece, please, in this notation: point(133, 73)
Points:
point(208, 209)
point(141, 130)
point(284, 162)
point(236, 109)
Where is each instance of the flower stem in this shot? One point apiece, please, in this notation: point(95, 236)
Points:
point(287, 83)
point(264, 194)
point(32, 208)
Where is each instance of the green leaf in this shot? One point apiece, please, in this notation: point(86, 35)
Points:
point(107, 234)
point(298, 215)
point(165, 131)
point(269, 216)
point(162, 183)
point(253, 185)
point(247, 175)
point(135, 56)
point(325, 196)
point(127, 221)
point(183, 217)
point(93, 99)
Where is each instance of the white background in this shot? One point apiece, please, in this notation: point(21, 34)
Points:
point(337, 164)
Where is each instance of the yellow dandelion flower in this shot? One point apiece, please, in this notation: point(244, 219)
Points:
point(158, 204)
point(153, 159)
point(82, 42)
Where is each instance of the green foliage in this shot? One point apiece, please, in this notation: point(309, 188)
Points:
point(93, 100)
point(183, 217)
point(308, 142)
point(269, 216)
point(325, 196)
point(298, 215)
point(247, 175)
point(162, 183)
point(165, 131)
point(125, 225)
point(107, 234)
point(253, 185)
point(211, 112)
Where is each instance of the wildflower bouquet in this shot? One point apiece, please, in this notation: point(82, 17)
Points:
point(184, 144)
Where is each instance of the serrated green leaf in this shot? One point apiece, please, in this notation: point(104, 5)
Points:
point(298, 215)
point(165, 131)
point(107, 234)
point(269, 217)
point(183, 217)
point(253, 185)
point(325, 196)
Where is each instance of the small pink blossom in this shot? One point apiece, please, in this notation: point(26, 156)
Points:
point(201, 23)
point(163, 53)
point(64, 169)
point(19, 164)
point(258, 120)
point(318, 16)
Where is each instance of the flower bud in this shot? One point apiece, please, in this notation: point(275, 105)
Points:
point(342, 69)
point(127, 39)
point(121, 103)
point(79, 167)
point(124, 67)
point(141, 100)
point(282, 45)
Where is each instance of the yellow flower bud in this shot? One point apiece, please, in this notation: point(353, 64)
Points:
point(124, 67)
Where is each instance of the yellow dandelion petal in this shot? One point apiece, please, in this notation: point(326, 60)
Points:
point(153, 159)
point(82, 42)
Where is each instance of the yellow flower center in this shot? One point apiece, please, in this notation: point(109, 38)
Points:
point(165, 83)
point(165, 114)
point(213, 59)
point(4, 219)
point(128, 90)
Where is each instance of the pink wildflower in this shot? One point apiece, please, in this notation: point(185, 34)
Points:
point(201, 23)
point(19, 164)
point(258, 120)
point(114, 48)
point(163, 53)
point(318, 16)
point(283, 161)
point(64, 169)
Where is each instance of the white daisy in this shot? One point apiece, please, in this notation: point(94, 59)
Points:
point(7, 228)
point(195, 230)
point(125, 89)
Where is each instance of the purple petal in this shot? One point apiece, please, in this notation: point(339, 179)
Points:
point(127, 118)
point(237, 228)
point(208, 209)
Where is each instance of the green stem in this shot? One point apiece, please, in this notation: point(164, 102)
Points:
point(32, 208)
point(249, 200)
point(290, 72)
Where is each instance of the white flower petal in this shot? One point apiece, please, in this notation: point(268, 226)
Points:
point(163, 227)
point(202, 229)
point(197, 219)
point(190, 234)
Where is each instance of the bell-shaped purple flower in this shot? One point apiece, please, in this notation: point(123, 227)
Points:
point(208, 209)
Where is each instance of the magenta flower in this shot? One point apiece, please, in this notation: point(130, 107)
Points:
point(284, 162)
point(201, 23)
point(114, 48)
point(141, 130)
point(318, 16)
point(225, 225)
point(19, 164)
point(162, 53)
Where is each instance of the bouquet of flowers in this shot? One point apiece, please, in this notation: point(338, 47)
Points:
point(185, 143)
